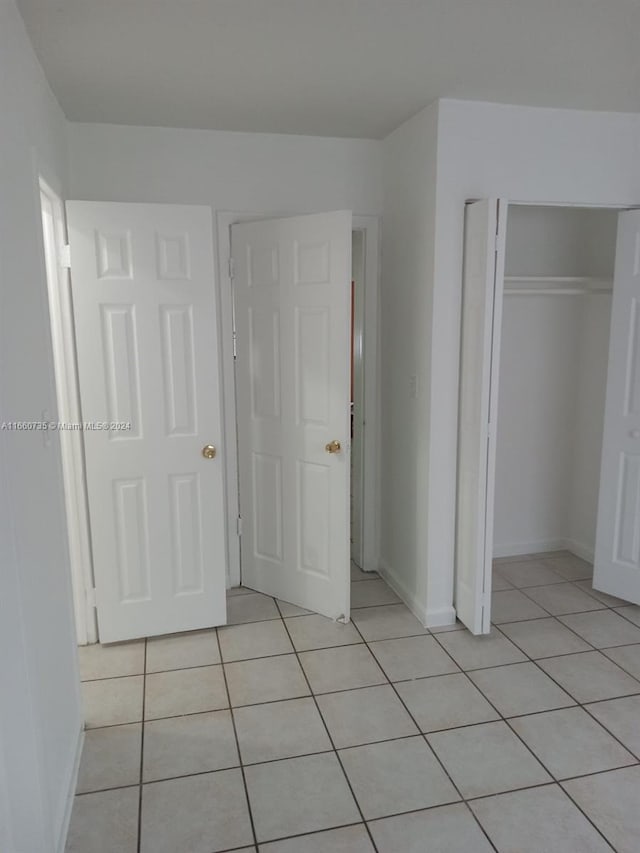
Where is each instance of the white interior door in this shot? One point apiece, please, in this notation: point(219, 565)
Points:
point(482, 289)
point(292, 292)
point(147, 343)
point(617, 553)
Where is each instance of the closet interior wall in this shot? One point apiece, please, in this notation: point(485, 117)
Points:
point(553, 368)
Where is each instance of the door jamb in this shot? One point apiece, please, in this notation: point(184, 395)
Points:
point(370, 225)
point(69, 411)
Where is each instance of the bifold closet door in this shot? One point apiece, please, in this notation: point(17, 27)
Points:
point(617, 557)
point(483, 281)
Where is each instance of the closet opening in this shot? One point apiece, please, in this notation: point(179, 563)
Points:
point(554, 353)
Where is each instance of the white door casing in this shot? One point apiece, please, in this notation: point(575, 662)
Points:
point(147, 341)
point(617, 551)
point(482, 290)
point(292, 280)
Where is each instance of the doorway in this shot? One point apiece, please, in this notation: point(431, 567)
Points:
point(548, 396)
point(301, 375)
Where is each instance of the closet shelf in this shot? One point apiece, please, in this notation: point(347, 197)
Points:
point(558, 285)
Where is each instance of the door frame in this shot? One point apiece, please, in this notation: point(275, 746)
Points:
point(370, 226)
point(57, 276)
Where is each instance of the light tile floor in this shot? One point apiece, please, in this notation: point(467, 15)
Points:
point(286, 733)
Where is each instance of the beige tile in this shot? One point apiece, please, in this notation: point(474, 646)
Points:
point(605, 598)
point(444, 702)
point(347, 839)
point(535, 820)
point(528, 573)
point(590, 676)
point(199, 814)
point(238, 590)
point(562, 598)
point(544, 638)
point(520, 688)
point(184, 691)
point(513, 606)
point(612, 801)
point(254, 640)
point(449, 829)
point(487, 759)
point(387, 622)
point(498, 583)
point(288, 609)
point(374, 593)
point(341, 668)
point(630, 612)
point(265, 680)
point(110, 758)
point(196, 743)
point(299, 795)
point(622, 718)
point(280, 730)
point(195, 648)
point(627, 657)
point(471, 652)
point(251, 608)
point(358, 574)
point(571, 743)
point(112, 701)
point(603, 628)
point(412, 657)
point(111, 661)
point(396, 776)
point(318, 632)
point(362, 716)
point(570, 567)
point(105, 822)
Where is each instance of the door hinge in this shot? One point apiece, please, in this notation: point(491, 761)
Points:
point(239, 525)
point(91, 598)
point(232, 268)
point(65, 256)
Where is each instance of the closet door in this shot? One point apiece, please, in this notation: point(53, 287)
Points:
point(482, 287)
point(617, 558)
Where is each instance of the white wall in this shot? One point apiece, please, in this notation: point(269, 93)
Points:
point(539, 370)
point(406, 319)
point(524, 154)
point(40, 717)
point(591, 389)
point(552, 383)
point(229, 171)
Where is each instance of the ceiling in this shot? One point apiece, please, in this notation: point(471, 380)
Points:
point(329, 67)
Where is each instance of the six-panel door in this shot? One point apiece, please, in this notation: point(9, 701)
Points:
point(146, 331)
point(292, 280)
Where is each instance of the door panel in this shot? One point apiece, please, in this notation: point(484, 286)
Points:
point(146, 335)
point(617, 558)
point(485, 229)
point(292, 307)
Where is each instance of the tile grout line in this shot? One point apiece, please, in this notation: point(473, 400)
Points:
point(331, 741)
point(142, 732)
point(235, 734)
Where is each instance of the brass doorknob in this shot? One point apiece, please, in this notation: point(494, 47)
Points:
point(208, 451)
point(333, 447)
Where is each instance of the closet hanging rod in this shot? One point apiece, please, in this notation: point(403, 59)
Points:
point(555, 291)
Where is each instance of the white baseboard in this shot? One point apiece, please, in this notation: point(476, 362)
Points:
point(580, 549)
point(537, 547)
point(427, 617)
point(70, 787)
